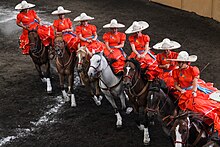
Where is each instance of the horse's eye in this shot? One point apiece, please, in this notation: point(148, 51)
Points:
point(98, 61)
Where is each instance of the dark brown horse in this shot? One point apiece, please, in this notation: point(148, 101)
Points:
point(65, 63)
point(39, 55)
point(83, 67)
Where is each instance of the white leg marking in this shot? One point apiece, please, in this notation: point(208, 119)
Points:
point(178, 137)
point(146, 136)
point(73, 101)
point(97, 102)
point(44, 80)
point(119, 120)
point(141, 127)
point(49, 87)
point(65, 96)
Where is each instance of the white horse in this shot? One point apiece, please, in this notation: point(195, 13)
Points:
point(110, 84)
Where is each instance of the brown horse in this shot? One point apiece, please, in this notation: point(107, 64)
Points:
point(83, 67)
point(39, 55)
point(141, 93)
point(65, 63)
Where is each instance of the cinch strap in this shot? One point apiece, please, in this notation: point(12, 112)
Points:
point(203, 89)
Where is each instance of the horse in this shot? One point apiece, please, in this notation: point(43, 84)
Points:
point(83, 67)
point(65, 63)
point(110, 84)
point(191, 130)
point(138, 89)
point(39, 54)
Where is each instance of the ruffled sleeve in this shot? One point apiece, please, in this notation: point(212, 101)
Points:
point(106, 37)
point(195, 71)
point(19, 18)
point(94, 29)
point(123, 37)
point(69, 23)
point(78, 30)
point(131, 39)
point(146, 38)
point(55, 24)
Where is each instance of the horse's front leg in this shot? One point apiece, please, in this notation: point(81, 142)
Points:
point(123, 104)
point(146, 139)
point(47, 75)
point(117, 114)
point(40, 73)
point(70, 90)
point(95, 91)
point(61, 78)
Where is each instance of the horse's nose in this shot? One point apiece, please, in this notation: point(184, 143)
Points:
point(126, 84)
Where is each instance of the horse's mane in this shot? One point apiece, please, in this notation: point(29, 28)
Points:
point(136, 63)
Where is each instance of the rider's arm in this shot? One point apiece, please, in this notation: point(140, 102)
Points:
point(20, 24)
point(121, 45)
point(146, 48)
point(178, 87)
point(194, 84)
point(108, 47)
point(134, 49)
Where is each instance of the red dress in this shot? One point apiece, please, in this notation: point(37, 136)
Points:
point(45, 33)
point(149, 62)
point(117, 54)
point(166, 75)
point(201, 103)
point(70, 38)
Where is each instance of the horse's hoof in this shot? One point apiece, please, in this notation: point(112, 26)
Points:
point(100, 98)
point(44, 80)
point(129, 110)
point(147, 143)
point(73, 101)
point(49, 92)
point(66, 99)
point(98, 103)
point(118, 126)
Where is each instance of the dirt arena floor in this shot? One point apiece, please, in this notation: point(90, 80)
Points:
point(23, 99)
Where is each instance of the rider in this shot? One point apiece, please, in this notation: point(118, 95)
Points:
point(114, 42)
point(193, 93)
point(63, 27)
point(28, 20)
point(167, 66)
point(141, 51)
point(87, 34)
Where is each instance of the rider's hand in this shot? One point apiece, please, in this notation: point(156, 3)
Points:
point(142, 55)
point(138, 55)
point(194, 93)
point(167, 66)
point(183, 91)
point(111, 51)
point(89, 41)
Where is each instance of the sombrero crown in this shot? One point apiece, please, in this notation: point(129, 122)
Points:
point(183, 56)
point(114, 24)
point(60, 10)
point(167, 44)
point(83, 17)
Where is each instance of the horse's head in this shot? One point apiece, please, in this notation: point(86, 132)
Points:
point(34, 40)
point(180, 130)
point(131, 73)
point(82, 57)
point(59, 45)
point(96, 64)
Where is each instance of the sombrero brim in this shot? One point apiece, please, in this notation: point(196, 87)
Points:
point(19, 6)
point(78, 18)
point(191, 58)
point(173, 45)
point(56, 12)
point(114, 26)
point(144, 25)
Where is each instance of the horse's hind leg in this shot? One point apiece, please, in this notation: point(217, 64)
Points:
point(61, 78)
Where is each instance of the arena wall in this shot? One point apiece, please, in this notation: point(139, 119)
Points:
point(207, 8)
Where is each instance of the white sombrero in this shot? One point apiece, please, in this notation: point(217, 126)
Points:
point(114, 24)
point(24, 5)
point(60, 10)
point(137, 26)
point(184, 57)
point(215, 96)
point(167, 44)
point(83, 17)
